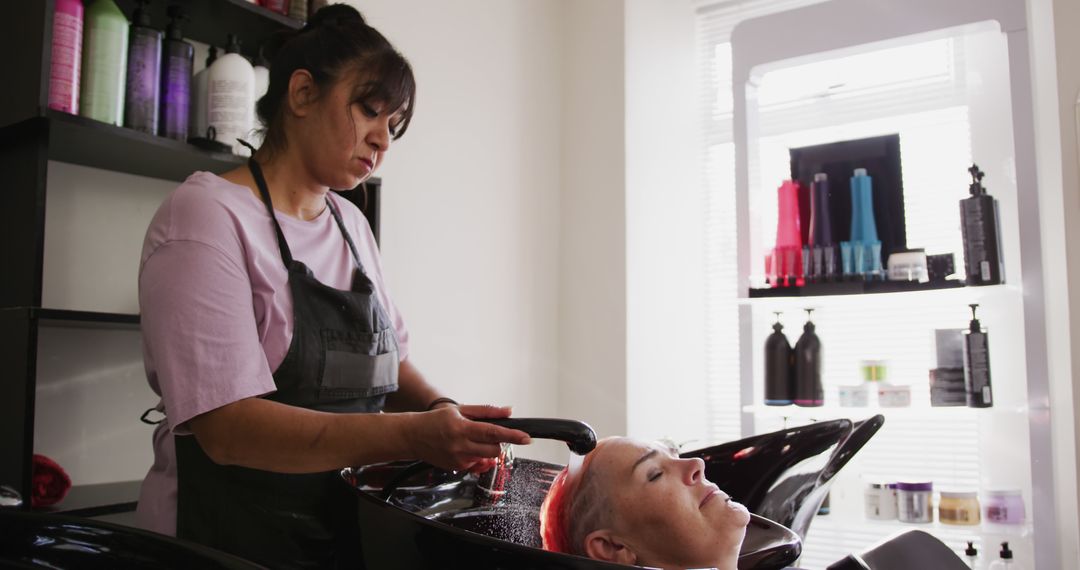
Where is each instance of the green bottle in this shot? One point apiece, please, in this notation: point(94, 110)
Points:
point(104, 63)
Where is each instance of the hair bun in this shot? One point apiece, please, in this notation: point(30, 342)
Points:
point(335, 15)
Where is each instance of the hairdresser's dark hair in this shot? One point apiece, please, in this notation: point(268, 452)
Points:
point(334, 43)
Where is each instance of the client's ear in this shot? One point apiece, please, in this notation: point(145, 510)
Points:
point(607, 546)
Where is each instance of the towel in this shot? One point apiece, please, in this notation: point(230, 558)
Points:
point(50, 483)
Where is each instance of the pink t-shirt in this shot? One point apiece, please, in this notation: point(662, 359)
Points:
point(217, 313)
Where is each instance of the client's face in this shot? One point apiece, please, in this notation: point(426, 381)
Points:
point(665, 511)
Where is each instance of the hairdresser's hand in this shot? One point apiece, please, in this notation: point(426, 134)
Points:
point(447, 438)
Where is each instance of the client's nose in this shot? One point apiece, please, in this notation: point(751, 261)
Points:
point(693, 471)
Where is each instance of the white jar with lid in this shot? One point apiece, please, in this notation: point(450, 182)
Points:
point(880, 501)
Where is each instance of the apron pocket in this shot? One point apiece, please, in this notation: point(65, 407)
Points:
point(361, 374)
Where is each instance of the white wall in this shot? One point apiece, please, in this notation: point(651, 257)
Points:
point(472, 196)
point(665, 214)
point(1056, 79)
point(592, 235)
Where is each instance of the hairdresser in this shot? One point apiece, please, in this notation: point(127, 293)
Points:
point(268, 330)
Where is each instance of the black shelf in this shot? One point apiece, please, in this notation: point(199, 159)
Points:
point(853, 288)
point(98, 499)
point(84, 319)
point(79, 140)
point(210, 21)
point(63, 318)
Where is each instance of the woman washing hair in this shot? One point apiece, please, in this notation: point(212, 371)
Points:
point(638, 503)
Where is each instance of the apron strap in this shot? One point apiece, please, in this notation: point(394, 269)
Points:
point(345, 232)
point(264, 191)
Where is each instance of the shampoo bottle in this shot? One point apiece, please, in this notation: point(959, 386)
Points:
point(230, 97)
point(971, 556)
point(279, 6)
point(863, 227)
point(262, 82)
point(143, 95)
point(808, 389)
point(177, 61)
point(198, 123)
point(977, 364)
point(787, 257)
point(66, 61)
point(1005, 562)
point(778, 374)
point(104, 66)
point(298, 9)
point(982, 234)
point(823, 247)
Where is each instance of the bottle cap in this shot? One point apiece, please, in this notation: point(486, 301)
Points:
point(976, 188)
point(860, 172)
point(233, 45)
point(920, 486)
point(970, 550)
point(777, 326)
point(821, 177)
point(975, 325)
point(176, 19)
point(1005, 552)
point(141, 17)
point(211, 57)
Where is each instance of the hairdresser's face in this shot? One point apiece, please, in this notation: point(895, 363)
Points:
point(665, 509)
point(346, 139)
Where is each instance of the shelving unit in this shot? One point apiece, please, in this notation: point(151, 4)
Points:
point(31, 135)
point(1018, 311)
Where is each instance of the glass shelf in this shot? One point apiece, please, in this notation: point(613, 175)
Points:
point(829, 412)
point(880, 297)
point(936, 527)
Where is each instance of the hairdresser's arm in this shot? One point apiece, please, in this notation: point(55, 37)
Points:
point(268, 435)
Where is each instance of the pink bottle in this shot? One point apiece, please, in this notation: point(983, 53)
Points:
point(66, 56)
point(787, 257)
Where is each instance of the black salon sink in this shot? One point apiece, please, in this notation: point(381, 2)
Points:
point(41, 540)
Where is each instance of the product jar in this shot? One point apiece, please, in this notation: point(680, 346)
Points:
point(1004, 507)
point(913, 502)
point(873, 370)
point(854, 396)
point(880, 501)
point(890, 396)
point(958, 507)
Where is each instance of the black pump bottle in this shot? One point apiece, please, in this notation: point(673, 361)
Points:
point(977, 364)
point(779, 388)
point(808, 390)
point(980, 226)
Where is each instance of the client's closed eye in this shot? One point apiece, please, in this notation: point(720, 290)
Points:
point(654, 475)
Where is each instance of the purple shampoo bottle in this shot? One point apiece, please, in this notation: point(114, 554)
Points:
point(143, 73)
point(176, 65)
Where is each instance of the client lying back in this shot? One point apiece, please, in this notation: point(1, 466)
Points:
point(638, 503)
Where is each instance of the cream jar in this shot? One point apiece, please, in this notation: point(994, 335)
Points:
point(880, 501)
point(959, 508)
point(913, 502)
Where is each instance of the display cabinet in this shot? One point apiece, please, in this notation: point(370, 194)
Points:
point(985, 52)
